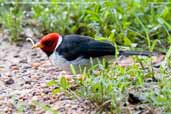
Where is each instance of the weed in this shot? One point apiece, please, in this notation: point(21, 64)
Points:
point(103, 84)
point(12, 20)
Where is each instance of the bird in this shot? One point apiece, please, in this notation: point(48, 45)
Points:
point(77, 50)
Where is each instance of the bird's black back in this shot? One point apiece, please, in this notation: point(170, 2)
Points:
point(74, 46)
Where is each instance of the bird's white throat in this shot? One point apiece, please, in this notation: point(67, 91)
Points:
point(59, 42)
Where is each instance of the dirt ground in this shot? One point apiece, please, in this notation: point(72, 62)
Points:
point(24, 74)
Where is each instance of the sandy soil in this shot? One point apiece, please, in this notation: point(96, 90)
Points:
point(24, 74)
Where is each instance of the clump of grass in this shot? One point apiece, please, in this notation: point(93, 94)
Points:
point(12, 20)
point(109, 85)
point(162, 97)
point(106, 86)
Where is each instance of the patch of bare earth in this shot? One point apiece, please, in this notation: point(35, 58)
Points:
point(24, 74)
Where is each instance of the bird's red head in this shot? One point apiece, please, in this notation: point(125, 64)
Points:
point(48, 43)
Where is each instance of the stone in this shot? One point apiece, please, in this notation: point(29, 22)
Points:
point(26, 66)
point(35, 65)
point(35, 77)
point(13, 68)
point(9, 81)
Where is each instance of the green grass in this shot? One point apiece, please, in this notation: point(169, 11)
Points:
point(11, 18)
point(146, 23)
point(109, 86)
point(131, 21)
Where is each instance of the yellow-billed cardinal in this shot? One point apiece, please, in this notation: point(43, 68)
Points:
point(77, 49)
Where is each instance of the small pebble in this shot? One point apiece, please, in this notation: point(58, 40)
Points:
point(9, 81)
point(34, 54)
point(46, 91)
point(26, 66)
point(40, 112)
point(35, 98)
point(1, 98)
point(16, 56)
point(23, 71)
point(19, 44)
point(35, 77)
point(74, 107)
point(28, 82)
point(35, 65)
point(23, 61)
point(8, 74)
point(14, 68)
point(8, 110)
point(43, 85)
point(62, 109)
point(125, 104)
point(133, 99)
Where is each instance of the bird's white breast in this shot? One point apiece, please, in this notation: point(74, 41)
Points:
point(64, 64)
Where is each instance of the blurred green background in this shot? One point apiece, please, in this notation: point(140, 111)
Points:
point(124, 22)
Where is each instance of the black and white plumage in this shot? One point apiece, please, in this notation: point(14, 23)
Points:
point(77, 50)
point(74, 46)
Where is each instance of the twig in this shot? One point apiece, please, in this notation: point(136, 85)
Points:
point(31, 40)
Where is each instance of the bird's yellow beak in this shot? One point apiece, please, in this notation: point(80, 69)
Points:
point(37, 45)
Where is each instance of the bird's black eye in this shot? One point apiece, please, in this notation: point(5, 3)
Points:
point(48, 43)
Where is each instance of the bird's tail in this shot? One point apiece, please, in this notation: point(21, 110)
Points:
point(141, 53)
